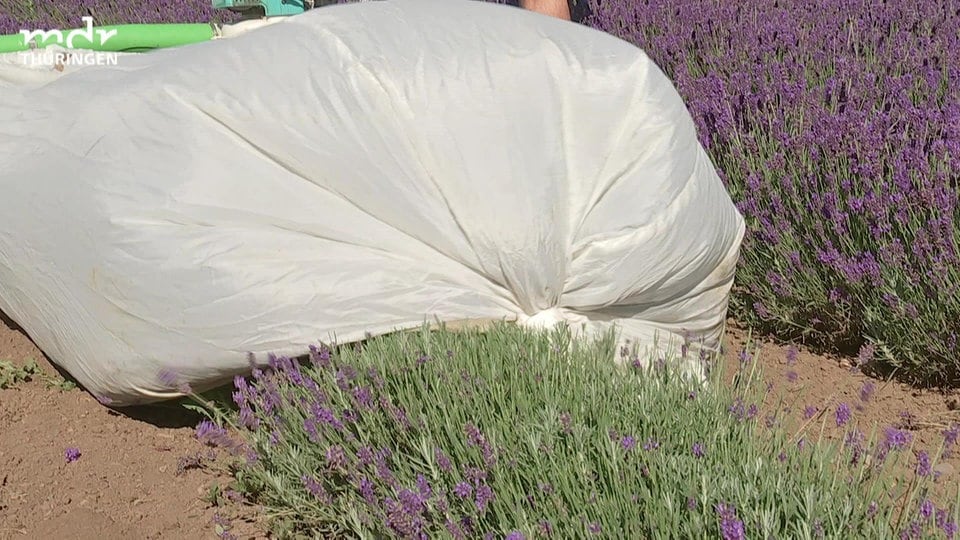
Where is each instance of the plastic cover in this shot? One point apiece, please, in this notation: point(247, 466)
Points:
point(352, 171)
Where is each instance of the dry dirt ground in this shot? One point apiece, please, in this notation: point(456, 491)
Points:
point(126, 483)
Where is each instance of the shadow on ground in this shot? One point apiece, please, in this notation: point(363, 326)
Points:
point(163, 415)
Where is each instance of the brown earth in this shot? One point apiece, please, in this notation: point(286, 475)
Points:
point(824, 382)
point(127, 482)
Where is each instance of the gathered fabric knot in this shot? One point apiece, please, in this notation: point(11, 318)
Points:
point(551, 317)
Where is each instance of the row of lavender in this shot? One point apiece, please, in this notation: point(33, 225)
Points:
point(16, 15)
point(836, 127)
point(509, 434)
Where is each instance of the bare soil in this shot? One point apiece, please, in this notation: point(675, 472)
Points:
point(126, 483)
point(129, 481)
point(825, 382)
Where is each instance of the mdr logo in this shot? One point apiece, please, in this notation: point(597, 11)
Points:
point(72, 47)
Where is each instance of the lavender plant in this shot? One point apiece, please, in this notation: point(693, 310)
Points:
point(520, 435)
point(835, 127)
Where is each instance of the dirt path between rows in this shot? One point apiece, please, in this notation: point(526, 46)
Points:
point(130, 481)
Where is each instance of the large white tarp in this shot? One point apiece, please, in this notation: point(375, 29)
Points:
point(354, 170)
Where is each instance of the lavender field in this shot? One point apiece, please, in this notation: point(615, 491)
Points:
point(836, 127)
point(34, 14)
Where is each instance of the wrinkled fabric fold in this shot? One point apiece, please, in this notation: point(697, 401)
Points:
point(353, 171)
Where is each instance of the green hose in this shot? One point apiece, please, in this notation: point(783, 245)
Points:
point(119, 38)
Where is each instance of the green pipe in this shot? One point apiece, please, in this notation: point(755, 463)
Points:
point(115, 38)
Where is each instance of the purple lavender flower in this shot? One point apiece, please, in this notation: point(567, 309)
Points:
point(731, 528)
point(483, 498)
point(651, 444)
point(423, 487)
point(368, 491)
point(914, 530)
point(950, 436)
point(854, 441)
point(384, 473)
point(363, 397)
point(809, 411)
point(404, 516)
point(455, 530)
point(896, 439)
point(628, 442)
point(442, 460)
point(739, 410)
point(250, 454)
point(923, 467)
point(213, 435)
point(310, 426)
point(316, 489)
point(476, 438)
point(475, 475)
point(926, 509)
point(336, 457)
point(594, 528)
point(842, 414)
point(941, 517)
point(375, 377)
point(950, 529)
point(866, 391)
point(320, 356)
point(698, 450)
point(515, 535)
point(71, 454)
point(170, 379)
point(792, 376)
point(324, 416)
point(441, 503)
point(691, 503)
point(463, 490)
point(365, 455)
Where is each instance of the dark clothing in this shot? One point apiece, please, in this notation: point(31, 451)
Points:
point(580, 11)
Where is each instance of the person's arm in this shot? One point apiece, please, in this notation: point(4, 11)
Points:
point(555, 8)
